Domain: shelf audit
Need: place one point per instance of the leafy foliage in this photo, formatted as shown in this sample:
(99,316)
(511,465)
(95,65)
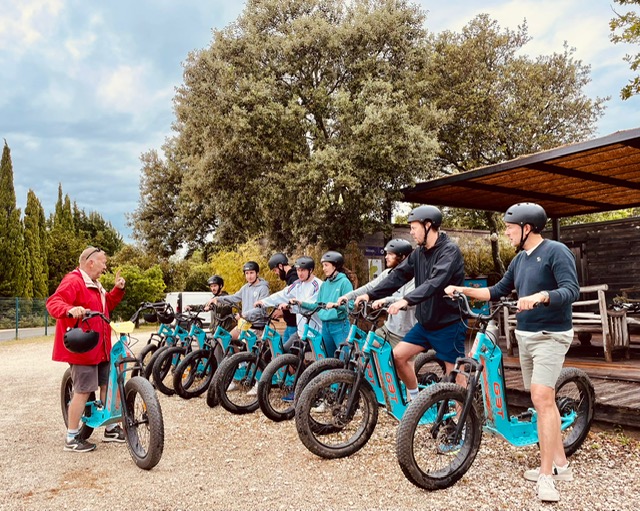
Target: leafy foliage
(503,104)
(229,263)
(36,242)
(12,262)
(478,258)
(155,222)
(625,28)
(96,230)
(64,246)
(300,122)
(142,286)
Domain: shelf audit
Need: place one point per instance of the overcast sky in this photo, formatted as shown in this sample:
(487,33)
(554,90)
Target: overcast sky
(87,86)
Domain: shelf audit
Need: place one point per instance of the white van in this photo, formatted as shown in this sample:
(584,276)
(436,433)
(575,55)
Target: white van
(179,300)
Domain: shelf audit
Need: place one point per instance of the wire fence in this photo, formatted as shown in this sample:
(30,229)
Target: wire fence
(24,315)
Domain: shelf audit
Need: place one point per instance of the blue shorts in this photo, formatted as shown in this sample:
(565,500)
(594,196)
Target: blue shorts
(448,342)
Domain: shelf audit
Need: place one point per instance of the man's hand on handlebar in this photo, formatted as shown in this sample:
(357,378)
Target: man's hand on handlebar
(76,312)
(530,302)
(449,290)
(378,304)
(396,307)
(361,298)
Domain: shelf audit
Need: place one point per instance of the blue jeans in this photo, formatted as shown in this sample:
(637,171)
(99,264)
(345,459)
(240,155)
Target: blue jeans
(333,333)
(288,332)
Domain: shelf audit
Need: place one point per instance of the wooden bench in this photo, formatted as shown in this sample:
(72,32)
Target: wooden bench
(612,325)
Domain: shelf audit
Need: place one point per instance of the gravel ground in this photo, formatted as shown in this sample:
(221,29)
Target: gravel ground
(216,460)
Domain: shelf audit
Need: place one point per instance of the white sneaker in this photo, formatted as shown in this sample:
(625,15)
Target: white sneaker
(233,386)
(253,391)
(558,473)
(321,408)
(546,489)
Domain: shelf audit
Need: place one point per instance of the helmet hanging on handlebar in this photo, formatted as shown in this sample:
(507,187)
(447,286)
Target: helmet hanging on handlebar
(76,340)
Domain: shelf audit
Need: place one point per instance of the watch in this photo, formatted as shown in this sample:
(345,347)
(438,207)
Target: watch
(546,295)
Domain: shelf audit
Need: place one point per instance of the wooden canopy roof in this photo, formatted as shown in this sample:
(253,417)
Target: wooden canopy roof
(590,177)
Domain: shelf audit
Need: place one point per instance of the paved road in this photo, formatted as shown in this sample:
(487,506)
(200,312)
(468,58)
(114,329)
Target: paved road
(25,333)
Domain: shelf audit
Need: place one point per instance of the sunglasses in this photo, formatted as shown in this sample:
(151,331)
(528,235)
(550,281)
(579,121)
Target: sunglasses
(94,251)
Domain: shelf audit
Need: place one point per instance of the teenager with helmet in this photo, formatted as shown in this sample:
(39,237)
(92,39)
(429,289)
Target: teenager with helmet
(436,263)
(304,289)
(79,291)
(398,325)
(255,289)
(543,272)
(279,264)
(216,285)
(335,322)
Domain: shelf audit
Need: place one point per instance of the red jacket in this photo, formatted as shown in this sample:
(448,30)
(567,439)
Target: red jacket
(77,289)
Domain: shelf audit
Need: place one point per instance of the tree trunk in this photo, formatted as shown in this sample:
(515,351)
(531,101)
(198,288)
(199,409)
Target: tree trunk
(498,265)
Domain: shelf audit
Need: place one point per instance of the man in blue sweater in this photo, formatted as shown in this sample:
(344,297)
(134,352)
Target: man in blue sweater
(543,272)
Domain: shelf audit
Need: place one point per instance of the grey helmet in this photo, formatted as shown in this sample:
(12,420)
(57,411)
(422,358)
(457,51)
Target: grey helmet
(251,266)
(399,247)
(306,263)
(334,258)
(276,259)
(525,213)
(424,214)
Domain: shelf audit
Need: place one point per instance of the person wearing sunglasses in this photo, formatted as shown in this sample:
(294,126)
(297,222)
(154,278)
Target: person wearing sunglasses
(80,290)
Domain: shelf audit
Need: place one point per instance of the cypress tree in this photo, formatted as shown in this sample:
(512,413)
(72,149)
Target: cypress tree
(12,264)
(35,247)
(64,244)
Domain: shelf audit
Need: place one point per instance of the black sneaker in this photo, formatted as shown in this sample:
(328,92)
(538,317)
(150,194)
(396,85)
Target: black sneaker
(79,445)
(115,435)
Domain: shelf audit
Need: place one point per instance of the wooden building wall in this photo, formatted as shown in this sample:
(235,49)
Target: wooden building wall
(606,253)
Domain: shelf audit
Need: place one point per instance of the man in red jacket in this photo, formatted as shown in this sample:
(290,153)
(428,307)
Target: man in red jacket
(79,291)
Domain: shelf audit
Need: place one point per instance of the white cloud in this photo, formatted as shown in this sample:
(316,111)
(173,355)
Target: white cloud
(131,90)
(80,47)
(24,23)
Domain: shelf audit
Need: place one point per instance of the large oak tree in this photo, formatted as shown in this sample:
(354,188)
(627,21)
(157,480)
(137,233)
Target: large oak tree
(301,121)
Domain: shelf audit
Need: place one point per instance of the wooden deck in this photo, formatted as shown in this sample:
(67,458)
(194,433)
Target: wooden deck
(617,384)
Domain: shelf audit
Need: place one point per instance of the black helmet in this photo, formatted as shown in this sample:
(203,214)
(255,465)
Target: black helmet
(527,213)
(216,279)
(76,340)
(306,263)
(251,266)
(276,259)
(399,247)
(333,257)
(150,317)
(426,214)
(166,314)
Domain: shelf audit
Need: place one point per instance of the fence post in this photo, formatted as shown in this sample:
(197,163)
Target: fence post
(17,315)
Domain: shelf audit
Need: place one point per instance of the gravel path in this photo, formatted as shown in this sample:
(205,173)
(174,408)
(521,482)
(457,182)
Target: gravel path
(215,460)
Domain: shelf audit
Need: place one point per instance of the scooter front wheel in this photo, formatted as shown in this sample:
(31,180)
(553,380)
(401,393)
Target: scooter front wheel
(428,451)
(143,423)
(350,415)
